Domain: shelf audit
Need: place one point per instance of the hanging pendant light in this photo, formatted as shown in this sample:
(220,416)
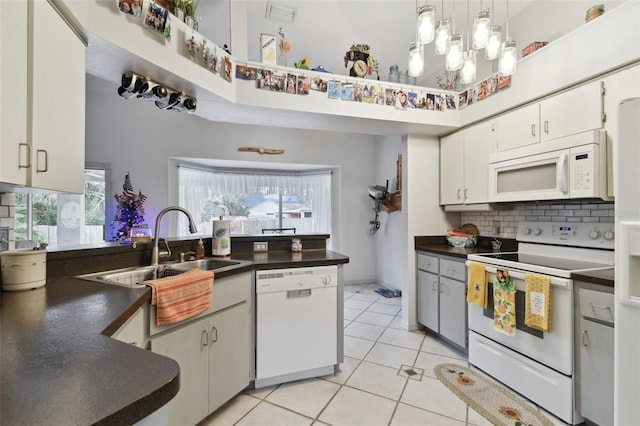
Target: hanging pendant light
(426,24)
(508,53)
(443,30)
(508,58)
(492,50)
(455,48)
(468,72)
(415,66)
(481,28)
(453,58)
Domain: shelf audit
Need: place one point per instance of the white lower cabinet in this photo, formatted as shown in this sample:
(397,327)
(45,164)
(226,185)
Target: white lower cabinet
(442,296)
(214,356)
(214,350)
(428,300)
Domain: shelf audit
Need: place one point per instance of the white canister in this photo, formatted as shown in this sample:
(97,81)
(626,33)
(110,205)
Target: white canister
(221,238)
(23,269)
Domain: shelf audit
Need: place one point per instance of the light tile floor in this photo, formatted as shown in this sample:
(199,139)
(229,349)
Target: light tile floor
(372,387)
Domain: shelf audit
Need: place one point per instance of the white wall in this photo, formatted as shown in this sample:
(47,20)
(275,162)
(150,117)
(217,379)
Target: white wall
(133,135)
(390,238)
(421,178)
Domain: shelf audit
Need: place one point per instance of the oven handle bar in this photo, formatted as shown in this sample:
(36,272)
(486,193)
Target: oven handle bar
(558,282)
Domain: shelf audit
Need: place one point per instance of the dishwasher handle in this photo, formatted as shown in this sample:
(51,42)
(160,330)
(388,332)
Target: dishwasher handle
(298,293)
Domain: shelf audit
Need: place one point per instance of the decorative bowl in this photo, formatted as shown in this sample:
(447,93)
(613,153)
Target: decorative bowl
(469,241)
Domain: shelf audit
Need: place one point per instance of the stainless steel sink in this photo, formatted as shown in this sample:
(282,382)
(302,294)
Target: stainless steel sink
(129,277)
(209,264)
(135,276)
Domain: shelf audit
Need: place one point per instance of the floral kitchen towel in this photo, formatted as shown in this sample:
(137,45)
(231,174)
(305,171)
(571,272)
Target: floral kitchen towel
(504,303)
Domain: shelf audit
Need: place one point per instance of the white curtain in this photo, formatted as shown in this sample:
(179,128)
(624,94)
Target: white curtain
(197,186)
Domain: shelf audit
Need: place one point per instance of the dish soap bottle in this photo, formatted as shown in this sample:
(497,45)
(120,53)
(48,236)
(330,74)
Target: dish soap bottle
(200,250)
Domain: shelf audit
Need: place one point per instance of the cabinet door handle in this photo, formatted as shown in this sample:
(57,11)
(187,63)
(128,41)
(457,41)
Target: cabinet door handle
(214,334)
(546,126)
(204,338)
(465,194)
(27,156)
(434,285)
(441,288)
(533,130)
(46,161)
(458,193)
(585,338)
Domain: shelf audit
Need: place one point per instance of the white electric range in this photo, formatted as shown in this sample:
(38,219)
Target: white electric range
(537,364)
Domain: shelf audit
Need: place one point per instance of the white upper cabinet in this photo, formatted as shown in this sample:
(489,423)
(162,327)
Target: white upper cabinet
(519,128)
(13,90)
(576,111)
(42,113)
(451,175)
(568,113)
(464,165)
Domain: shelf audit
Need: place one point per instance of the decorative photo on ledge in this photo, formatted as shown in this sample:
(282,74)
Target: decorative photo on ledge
(227,68)
(304,85)
(130,7)
(244,72)
(318,84)
(292,84)
(462,99)
(451,101)
(347,92)
(335,90)
(278,82)
(156,17)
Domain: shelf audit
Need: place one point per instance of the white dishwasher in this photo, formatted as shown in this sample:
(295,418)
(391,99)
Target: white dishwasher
(296,324)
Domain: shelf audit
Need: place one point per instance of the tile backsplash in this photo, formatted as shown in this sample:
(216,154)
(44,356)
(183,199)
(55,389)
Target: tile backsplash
(507,218)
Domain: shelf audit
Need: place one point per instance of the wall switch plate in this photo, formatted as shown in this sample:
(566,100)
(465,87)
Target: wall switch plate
(260,246)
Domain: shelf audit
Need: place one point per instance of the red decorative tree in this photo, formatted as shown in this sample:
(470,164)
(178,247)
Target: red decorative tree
(130,210)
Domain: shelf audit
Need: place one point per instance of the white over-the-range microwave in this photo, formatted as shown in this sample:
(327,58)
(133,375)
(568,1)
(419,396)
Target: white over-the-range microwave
(570,167)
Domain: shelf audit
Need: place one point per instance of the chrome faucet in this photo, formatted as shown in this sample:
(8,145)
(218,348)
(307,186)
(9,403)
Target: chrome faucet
(155,253)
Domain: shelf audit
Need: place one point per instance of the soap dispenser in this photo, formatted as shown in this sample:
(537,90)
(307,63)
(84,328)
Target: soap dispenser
(200,249)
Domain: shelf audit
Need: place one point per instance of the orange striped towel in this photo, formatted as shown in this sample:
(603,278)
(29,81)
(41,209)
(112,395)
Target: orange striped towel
(181,296)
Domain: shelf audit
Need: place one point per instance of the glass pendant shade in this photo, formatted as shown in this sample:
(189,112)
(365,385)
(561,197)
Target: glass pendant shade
(453,59)
(426,24)
(443,30)
(481,27)
(493,44)
(508,57)
(416,60)
(468,71)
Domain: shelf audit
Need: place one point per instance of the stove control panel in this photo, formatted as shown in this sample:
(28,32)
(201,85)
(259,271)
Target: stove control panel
(593,235)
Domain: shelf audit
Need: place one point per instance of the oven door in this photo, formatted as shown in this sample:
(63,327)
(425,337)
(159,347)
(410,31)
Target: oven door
(553,348)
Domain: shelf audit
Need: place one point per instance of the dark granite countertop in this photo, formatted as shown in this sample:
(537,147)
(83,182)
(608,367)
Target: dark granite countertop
(60,367)
(287,259)
(603,277)
(438,245)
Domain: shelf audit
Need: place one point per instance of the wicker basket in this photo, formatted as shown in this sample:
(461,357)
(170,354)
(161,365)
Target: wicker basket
(594,12)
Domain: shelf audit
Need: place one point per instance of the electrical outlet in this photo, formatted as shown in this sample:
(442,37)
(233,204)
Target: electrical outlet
(4,239)
(260,246)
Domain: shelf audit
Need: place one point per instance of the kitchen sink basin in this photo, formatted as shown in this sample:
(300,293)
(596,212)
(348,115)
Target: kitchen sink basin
(129,277)
(134,276)
(209,264)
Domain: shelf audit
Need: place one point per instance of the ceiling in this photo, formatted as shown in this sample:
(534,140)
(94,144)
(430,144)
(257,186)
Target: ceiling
(324,30)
